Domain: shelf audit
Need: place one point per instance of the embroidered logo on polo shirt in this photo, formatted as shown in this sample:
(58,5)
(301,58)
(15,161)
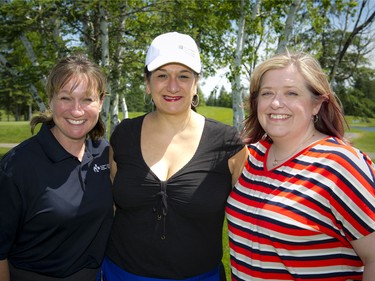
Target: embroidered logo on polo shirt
(97,168)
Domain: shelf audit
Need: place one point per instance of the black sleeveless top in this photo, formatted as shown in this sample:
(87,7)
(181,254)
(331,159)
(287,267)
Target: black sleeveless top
(171,229)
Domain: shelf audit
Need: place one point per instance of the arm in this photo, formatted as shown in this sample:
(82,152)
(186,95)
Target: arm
(112,164)
(365,248)
(4,270)
(237,162)
(113,170)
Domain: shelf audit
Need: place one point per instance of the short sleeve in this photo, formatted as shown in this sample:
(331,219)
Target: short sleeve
(233,141)
(10,205)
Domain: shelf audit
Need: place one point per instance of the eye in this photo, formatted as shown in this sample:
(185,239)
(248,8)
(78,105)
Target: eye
(292,93)
(185,77)
(64,98)
(160,75)
(265,93)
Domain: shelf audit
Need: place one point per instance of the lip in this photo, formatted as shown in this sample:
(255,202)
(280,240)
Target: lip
(279,116)
(75,122)
(172,99)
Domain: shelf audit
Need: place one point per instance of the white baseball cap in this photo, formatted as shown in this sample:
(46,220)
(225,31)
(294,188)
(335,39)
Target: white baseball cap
(173,47)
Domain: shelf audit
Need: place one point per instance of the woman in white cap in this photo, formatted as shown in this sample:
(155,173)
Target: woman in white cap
(173,170)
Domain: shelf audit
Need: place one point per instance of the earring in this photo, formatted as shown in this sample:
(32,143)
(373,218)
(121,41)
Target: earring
(150,101)
(195,101)
(315,118)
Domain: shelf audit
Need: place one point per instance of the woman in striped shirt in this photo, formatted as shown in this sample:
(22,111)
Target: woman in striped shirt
(304,206)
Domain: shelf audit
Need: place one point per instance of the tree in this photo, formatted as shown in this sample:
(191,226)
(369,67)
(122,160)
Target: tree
(224,99)
(286,34)
(235,35)
(347,37)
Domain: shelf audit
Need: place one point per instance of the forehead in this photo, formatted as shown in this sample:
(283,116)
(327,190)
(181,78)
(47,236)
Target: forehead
(174,67)
(80,83)
(282,76)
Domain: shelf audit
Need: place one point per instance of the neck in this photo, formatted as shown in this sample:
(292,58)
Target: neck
(279,158)
(74,147)
(172,123)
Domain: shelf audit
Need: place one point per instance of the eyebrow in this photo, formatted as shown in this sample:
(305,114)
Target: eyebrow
(287,87)
(179,71)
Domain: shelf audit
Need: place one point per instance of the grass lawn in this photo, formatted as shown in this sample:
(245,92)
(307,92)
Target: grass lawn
(15,132)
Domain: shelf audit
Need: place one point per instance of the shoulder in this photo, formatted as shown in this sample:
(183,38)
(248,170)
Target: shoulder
(341,156)
(221,128)
(223,135)
(128,128)
(258,149)
(338,148)
(20,155)
(130,122)
(98,146)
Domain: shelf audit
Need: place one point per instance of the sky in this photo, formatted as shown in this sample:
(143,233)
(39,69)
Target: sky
(208,84)
(219,80)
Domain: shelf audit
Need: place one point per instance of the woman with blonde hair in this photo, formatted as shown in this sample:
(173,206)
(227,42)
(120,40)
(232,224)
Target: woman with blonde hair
(55,191)
(303,208)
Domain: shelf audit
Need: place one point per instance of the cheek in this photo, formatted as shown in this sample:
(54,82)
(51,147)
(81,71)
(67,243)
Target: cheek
(262,105)
(93,109)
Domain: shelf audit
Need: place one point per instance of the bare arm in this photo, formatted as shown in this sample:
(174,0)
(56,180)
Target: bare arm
(4,270)
(112,164)
(113,170)
(237,162)
(365,248)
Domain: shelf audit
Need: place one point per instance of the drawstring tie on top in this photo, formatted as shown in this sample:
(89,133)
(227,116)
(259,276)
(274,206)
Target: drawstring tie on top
(161,208)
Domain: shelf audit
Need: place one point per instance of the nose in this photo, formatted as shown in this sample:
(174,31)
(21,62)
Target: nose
(277,101)
(77,109)
(173,86)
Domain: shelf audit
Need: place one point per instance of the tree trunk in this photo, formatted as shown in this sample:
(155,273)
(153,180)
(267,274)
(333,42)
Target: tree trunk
(33,90)
(237,104)
(105,64)
(287,34)
(116,81)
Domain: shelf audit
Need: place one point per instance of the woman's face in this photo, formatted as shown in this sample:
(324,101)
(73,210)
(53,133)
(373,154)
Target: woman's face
(75,111)
(285,105)
(172,88)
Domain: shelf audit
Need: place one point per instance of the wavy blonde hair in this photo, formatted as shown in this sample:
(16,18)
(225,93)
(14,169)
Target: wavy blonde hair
(330,118)
(74,67)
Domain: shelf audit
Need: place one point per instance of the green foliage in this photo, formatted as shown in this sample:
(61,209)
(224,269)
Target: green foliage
(55,28)
(355,103)
(224,99)
(364,81)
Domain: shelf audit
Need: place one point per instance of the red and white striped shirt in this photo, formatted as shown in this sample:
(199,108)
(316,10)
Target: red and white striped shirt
(295,222)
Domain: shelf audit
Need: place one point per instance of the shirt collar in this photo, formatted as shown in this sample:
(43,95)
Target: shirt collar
(54,149)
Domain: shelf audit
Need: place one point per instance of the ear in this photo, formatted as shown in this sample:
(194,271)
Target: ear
(317,108)
(50,104)
(148,91)
(101,102)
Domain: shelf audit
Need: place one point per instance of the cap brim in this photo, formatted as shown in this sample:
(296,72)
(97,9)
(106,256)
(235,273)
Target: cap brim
(160,61)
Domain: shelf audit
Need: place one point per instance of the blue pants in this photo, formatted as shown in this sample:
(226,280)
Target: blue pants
(112,272)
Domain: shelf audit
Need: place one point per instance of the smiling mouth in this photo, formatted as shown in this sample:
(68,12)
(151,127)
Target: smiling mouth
(279,116)
(169,98)
(76,122)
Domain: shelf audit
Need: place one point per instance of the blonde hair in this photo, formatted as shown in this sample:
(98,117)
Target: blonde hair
(74,67)
(330,118)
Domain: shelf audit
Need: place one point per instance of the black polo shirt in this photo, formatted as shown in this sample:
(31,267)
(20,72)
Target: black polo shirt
(55,211)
